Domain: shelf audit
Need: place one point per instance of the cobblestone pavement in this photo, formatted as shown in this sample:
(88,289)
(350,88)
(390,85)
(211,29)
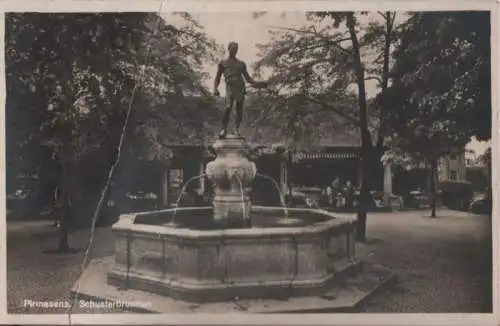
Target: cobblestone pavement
(441,263)
(33,273)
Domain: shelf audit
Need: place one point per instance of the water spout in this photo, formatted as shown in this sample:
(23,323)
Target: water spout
(183,189)
(246,216)
(282,198)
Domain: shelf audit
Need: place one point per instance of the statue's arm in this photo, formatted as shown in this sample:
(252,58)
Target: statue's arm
(218,76)
(249,79)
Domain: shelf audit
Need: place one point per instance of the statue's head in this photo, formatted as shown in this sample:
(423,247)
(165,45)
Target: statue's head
(232,48)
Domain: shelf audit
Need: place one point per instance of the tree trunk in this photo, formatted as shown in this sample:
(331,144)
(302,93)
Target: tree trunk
(377,169)
(64,184)
(65,211)
(288,181)
(364,199)
(433,185)
(63,245)
(165,191)
(385,76)
(366,141)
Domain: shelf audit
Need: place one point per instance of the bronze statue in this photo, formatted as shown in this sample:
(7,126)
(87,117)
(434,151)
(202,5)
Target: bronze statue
(235,73)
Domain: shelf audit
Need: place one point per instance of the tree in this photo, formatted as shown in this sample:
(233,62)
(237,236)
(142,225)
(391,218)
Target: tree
(71,79)
(485,160)
(444,59)
(62,80)
(441,83)
(173,96)
(313,71)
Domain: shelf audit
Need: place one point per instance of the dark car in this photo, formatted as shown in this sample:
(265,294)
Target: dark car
(481,205)
(28,201)
(456,194)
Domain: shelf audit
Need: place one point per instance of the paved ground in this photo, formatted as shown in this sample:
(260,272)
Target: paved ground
(33,273)
(442,263)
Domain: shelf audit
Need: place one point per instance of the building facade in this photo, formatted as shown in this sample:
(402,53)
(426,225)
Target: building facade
(453,167)
(399,180)
(280,170)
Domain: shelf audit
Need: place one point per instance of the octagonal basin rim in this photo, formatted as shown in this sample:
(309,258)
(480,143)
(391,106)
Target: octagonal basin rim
(126,224)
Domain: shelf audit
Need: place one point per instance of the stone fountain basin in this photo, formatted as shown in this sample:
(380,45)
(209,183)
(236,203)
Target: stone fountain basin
(301,255)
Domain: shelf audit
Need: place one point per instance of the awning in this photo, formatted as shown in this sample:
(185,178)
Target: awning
(299,156)
(323,156)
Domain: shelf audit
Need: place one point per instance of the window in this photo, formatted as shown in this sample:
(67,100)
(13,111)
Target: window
(453,175)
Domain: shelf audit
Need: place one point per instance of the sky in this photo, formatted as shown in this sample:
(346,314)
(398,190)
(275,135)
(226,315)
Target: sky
(248,31)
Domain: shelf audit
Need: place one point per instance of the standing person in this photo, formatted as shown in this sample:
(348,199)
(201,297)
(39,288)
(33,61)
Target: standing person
(329,196)
(339,200)
(349,195)
(198,197)
(336,185)
(336,189)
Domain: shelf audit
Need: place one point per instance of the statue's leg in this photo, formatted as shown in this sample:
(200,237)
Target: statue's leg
(239,115)
(225,118)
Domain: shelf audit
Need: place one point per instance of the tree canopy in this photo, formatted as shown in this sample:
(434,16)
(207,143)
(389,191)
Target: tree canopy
(319,76)
(441,87)
(77,72)
(313,75)
(72,78)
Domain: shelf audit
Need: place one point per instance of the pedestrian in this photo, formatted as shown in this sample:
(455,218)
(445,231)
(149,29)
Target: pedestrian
(336,188)
(349,196)
(336,185)
(329,196)
(339,200)
(198,195)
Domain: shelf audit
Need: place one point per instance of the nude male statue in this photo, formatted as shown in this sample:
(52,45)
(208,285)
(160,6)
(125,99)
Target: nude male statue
(235,73)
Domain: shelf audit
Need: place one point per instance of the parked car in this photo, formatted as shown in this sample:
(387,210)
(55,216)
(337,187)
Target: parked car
(378,198)
(456,194)
(27,202)
(394,202)
(137,201)
(481,205)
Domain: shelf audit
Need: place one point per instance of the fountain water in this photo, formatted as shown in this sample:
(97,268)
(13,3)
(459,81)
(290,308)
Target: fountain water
(183,189)
(277,187)
(246,218)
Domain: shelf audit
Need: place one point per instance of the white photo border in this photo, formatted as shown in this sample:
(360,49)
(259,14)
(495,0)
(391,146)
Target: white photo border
(259,6)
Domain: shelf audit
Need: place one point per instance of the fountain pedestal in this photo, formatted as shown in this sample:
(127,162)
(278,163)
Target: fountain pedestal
(232,173)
